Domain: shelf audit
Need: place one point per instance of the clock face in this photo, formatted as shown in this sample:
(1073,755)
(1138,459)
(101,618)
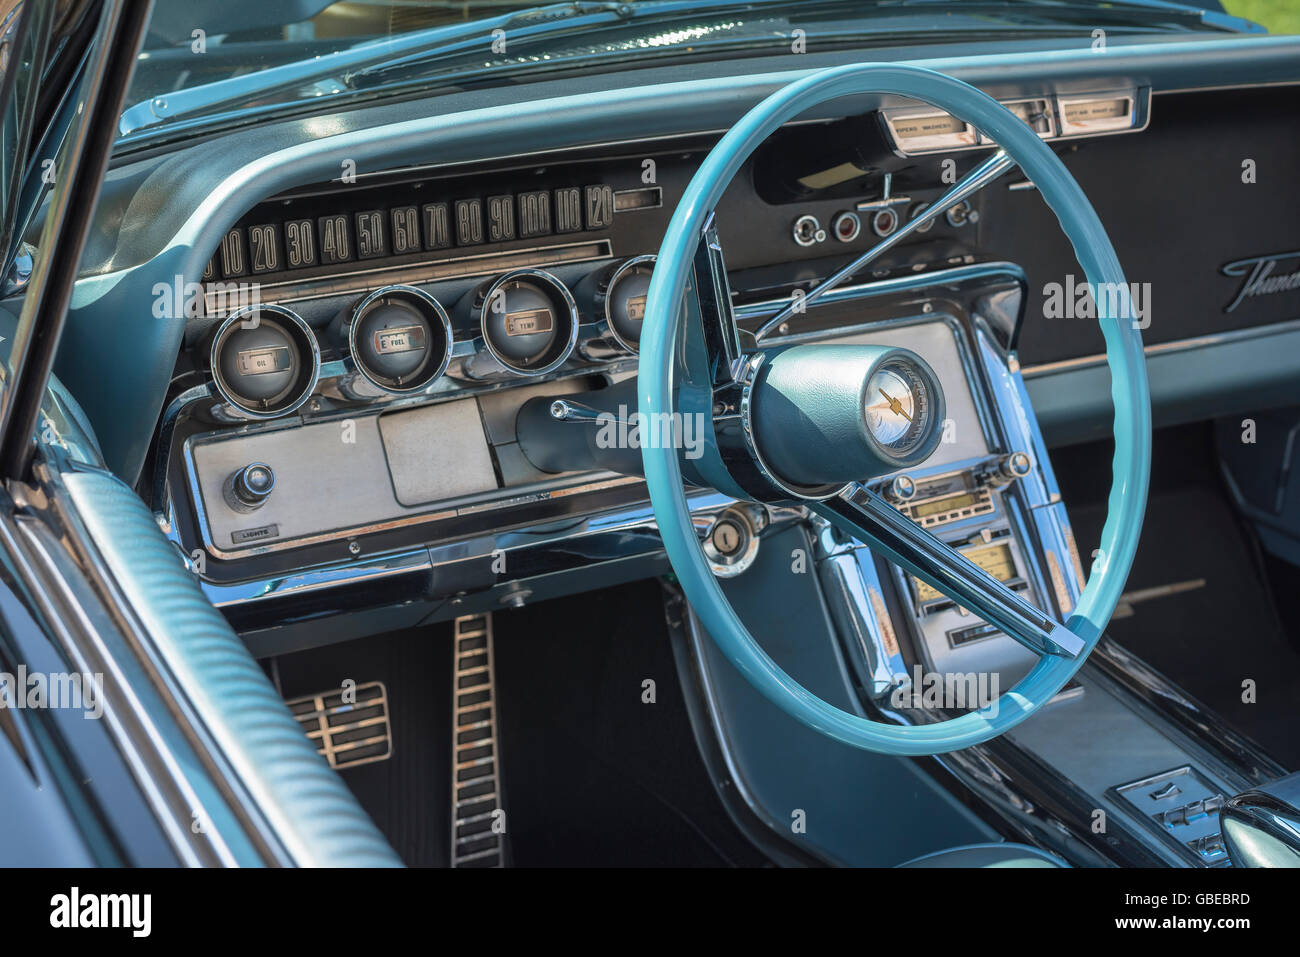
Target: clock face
(891,406)
(897,407)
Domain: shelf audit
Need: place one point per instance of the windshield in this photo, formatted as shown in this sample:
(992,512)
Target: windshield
(211,61)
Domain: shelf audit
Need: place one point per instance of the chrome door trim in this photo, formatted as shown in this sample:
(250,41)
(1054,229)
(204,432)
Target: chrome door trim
(1162,348)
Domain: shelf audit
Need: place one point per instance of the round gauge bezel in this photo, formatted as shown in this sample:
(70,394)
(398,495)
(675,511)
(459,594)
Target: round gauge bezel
(296,327)
(439,319)
(924,388)
(568,313)
(608,287)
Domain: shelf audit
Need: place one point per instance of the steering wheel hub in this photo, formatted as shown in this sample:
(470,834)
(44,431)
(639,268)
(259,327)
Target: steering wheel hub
(827,415)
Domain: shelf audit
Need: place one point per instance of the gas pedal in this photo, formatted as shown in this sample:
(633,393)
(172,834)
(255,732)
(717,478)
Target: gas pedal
(348,733)
(475,757)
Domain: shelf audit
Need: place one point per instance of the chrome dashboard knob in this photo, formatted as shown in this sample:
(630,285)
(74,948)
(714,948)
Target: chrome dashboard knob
(250,486)
(1015,465)
(900,489)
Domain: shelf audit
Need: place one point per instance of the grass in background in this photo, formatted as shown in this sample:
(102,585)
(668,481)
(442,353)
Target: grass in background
(1278,16)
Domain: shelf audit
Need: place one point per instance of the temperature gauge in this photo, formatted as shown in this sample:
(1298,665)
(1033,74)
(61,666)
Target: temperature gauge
(528,320)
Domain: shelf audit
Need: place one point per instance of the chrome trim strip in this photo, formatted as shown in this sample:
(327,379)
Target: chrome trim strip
(616,522)
(1120,667)
(1161,348)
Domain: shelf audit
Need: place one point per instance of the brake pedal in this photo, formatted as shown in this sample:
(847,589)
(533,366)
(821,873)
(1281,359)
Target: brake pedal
(477,834)
(348,726)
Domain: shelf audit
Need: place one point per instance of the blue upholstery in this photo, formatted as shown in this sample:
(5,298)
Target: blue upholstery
(310,808)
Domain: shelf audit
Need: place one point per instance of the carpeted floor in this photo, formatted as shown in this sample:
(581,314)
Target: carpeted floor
(593,774)
(408,795)
(590,774)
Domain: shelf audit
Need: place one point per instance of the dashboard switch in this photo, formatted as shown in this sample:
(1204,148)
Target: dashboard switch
(250,486)
(884,222)
(961,214)
(846,227)
(808,231)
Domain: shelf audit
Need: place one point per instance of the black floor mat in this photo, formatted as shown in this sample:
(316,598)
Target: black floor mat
(591,774)
(1214,638)
(409,794)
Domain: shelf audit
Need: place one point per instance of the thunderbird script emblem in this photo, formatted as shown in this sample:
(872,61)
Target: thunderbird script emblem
(1264,276)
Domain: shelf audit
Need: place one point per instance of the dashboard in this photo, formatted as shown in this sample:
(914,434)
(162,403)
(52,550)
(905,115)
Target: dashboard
(375,315)
(369,300)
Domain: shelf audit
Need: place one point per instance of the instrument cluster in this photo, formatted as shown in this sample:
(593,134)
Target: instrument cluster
(400,340)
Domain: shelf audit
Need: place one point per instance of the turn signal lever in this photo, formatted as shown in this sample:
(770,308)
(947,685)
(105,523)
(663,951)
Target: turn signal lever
(602,431)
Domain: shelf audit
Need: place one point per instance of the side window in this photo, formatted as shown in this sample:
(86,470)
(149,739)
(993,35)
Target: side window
(24,35)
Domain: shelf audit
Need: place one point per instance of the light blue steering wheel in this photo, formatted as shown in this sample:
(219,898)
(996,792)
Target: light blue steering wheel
(661,375)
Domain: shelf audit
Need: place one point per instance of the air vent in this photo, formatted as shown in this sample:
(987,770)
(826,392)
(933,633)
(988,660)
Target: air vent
(347,732)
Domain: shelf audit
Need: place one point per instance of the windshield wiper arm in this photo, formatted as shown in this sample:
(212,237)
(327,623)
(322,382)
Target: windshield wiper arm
(448,39)
(624,13)
(373,63)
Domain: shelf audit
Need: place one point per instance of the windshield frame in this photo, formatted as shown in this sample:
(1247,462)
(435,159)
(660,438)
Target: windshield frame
(451,56)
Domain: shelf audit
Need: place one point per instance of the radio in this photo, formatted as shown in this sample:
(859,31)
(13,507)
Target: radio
(962,507)
(943,499)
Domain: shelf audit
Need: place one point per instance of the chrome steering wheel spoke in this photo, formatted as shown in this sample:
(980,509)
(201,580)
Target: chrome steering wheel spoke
(867,517)
(717,317)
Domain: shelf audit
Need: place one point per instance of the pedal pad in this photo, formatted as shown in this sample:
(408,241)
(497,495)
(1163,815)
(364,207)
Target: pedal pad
(347,732)
(475,762)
